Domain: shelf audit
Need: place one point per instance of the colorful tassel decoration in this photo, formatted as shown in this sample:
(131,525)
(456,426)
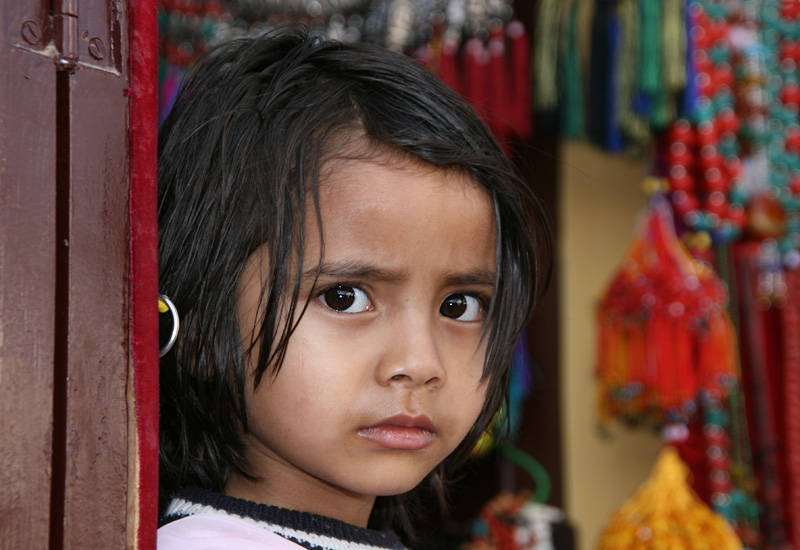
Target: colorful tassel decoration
(499,84)
(664,334)
(790,318)
(520,57)
(601,56)
(572,108)
(650,27)
(506,422)
(665,513)
(546,55)
(635,127)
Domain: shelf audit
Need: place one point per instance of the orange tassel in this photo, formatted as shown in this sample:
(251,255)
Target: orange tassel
(664,335)
(685,363)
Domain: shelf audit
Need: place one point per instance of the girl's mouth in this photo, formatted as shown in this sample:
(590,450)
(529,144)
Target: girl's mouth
(401,432)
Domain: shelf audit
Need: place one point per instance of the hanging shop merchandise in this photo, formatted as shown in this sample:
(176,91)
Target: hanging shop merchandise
(713,84)
(475,46)
(665,513)
(517,521)
(664,333)
(667,357)
(711,88)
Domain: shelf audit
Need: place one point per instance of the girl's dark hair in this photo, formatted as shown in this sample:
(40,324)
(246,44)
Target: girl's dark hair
(239,157)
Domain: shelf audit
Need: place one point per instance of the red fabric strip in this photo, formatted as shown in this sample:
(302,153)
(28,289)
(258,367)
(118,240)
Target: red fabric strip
(143,41)
(791,389)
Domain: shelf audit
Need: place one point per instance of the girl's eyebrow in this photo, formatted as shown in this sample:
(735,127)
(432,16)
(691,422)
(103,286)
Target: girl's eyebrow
(475,277)
(349,270)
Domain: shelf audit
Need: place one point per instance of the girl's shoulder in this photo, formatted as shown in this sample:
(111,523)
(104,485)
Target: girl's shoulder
(221,521)
(209,531)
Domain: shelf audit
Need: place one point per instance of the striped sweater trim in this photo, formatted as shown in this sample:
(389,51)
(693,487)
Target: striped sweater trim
(311,531)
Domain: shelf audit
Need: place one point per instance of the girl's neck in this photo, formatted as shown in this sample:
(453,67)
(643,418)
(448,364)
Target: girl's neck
(320,498)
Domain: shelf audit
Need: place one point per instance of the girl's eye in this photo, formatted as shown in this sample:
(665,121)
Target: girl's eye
(345,299)
(461,307)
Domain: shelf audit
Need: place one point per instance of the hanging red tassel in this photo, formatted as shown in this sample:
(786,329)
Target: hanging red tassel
(684,360)
(449,72)
(500,106)
(476,74)
(760,395)
(665,391)
(430,53)
(664,333)
(519,45)
(791,391)
(636,360)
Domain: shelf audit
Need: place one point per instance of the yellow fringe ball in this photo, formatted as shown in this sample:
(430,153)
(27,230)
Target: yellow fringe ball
(665,513)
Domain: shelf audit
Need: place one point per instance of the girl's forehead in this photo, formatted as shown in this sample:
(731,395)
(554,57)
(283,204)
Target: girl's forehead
(362,159)
(415,212)
(352,145)
(400,182)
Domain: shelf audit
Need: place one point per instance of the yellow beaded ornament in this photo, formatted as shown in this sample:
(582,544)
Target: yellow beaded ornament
(665,513)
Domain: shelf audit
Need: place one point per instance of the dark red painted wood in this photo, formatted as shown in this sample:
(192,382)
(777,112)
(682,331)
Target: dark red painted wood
(64,249)
(97,464)
(27,273)
(143,47)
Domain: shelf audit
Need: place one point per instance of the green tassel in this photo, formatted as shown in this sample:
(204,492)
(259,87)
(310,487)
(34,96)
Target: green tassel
(545,58)
(663,111)
(650,46)
(674,44)
(635,127)
(572,109)
(673,55)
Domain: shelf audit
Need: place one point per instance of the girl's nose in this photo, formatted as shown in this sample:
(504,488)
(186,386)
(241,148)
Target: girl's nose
(412,357)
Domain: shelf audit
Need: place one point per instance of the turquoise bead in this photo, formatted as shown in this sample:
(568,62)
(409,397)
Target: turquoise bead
(729,146)
(789,242)
(722,100)
(737,195)
(778,180)
(702,222)
(703,111)
(793,224)
(720,54)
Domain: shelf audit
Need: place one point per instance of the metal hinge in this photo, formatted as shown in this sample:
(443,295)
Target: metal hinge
(92,37)
(65,33)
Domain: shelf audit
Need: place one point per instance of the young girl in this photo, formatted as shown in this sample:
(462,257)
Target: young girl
(352,257)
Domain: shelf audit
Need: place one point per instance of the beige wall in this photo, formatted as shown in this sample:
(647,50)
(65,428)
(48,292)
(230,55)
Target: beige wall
(600,196)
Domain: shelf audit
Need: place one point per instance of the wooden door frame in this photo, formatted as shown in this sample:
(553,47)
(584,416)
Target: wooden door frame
(77,270)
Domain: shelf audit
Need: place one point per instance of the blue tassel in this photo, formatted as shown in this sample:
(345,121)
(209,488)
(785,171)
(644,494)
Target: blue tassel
(691,93)
(614,137)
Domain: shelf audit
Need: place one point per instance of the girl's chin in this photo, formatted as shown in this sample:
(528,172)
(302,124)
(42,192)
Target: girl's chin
(395,487)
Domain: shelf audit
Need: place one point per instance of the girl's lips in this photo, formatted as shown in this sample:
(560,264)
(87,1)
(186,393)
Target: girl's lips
(401,432)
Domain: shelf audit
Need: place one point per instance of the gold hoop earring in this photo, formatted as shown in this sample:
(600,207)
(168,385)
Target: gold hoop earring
(165,305)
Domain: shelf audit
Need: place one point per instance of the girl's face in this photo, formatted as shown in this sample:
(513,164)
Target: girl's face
(382,377)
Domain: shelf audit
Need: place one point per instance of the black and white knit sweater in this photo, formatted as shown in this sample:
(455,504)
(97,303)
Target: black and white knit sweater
(308,530)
